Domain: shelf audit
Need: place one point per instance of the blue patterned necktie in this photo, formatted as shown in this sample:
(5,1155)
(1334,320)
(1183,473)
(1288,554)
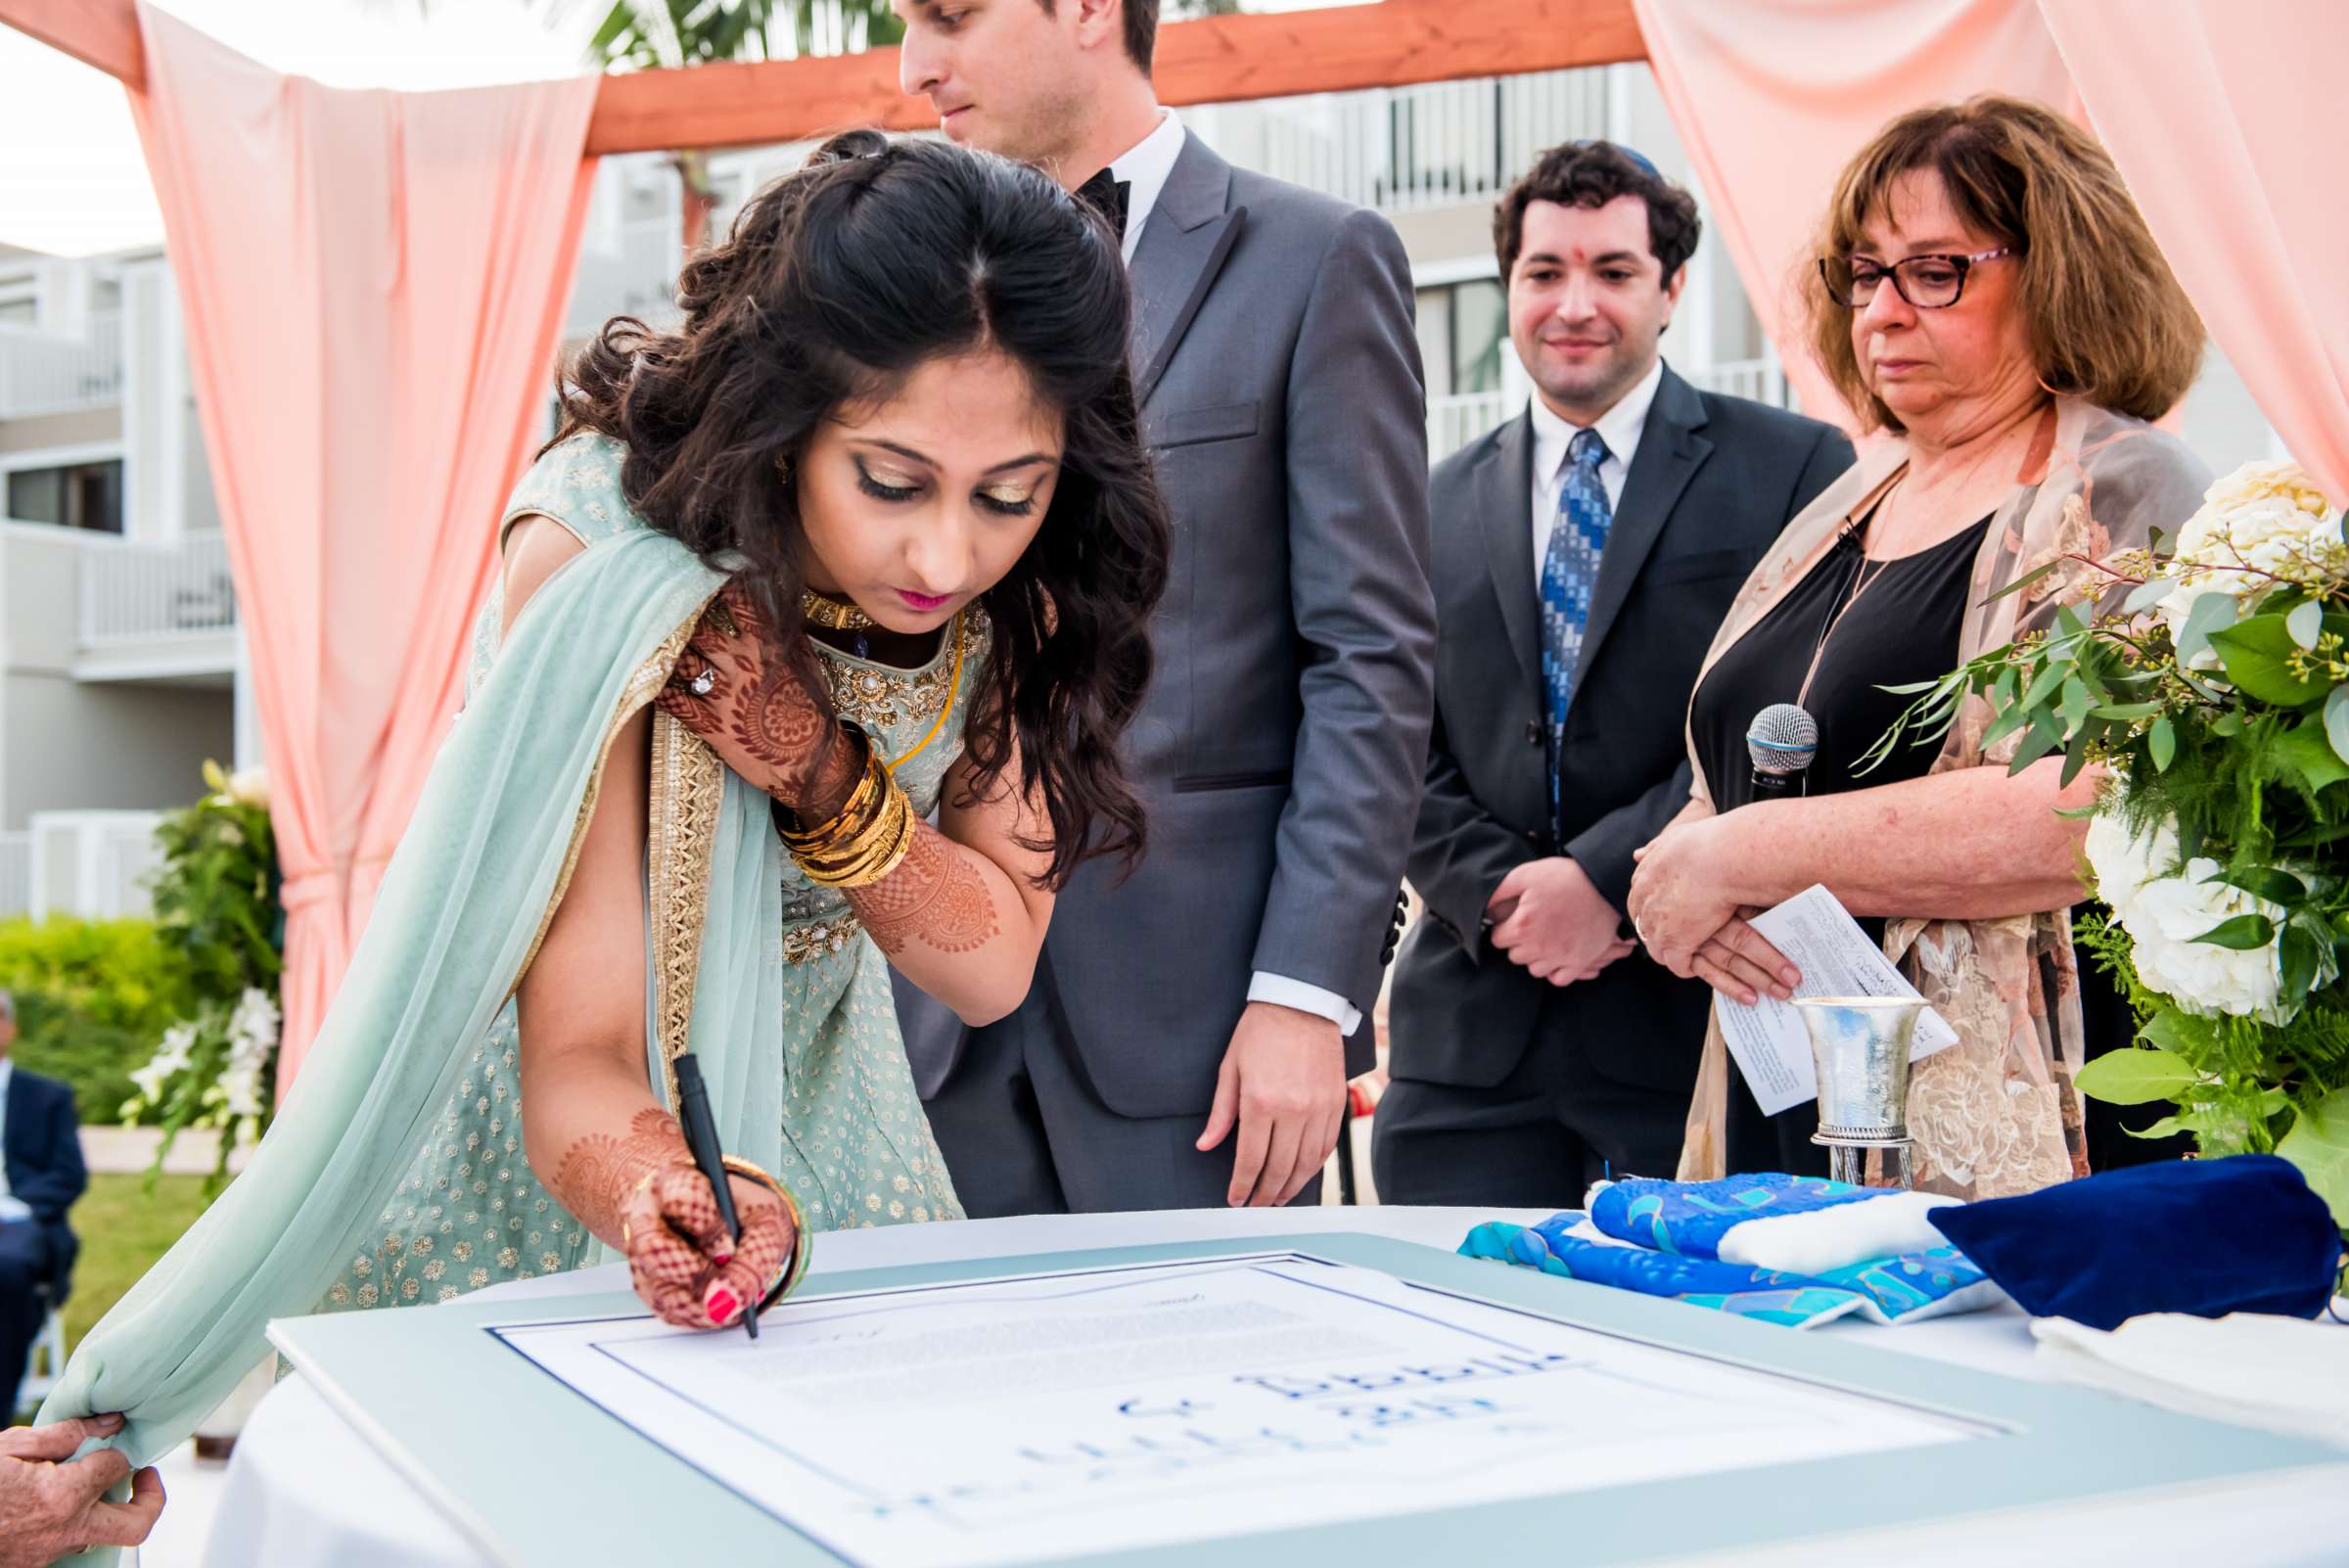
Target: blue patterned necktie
(1568,571)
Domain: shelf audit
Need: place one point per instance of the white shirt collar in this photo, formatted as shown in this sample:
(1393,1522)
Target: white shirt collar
(1619,426)
(8,1066)
(1145,168)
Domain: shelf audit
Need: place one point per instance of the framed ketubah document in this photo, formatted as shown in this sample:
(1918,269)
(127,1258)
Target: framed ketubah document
(1348,1398)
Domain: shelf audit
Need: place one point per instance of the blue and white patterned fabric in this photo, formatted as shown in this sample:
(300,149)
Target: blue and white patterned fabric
(1667,1238)
(1569,574)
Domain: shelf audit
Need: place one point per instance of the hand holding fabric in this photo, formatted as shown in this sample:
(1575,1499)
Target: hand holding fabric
(736,690)
(1553,923)
(53,1504)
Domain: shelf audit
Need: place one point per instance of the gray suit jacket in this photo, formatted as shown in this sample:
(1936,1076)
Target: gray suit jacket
(1281,747)
(1713,482)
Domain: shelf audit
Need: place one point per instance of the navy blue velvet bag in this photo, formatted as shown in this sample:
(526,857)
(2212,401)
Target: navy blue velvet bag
(2208,1237)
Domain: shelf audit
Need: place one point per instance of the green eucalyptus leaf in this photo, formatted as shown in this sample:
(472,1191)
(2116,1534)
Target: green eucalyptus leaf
(2257,655)
(2148,594)
(2127,713)
(2074,758)
(2305,621)
(2210,612)
(2161,741)
(2227,724)
(2318,1145)
(2045,684)
(2023,581)
(2309,751)
(2043,738)
(2139,1076)
(2245,933)
(2075,704)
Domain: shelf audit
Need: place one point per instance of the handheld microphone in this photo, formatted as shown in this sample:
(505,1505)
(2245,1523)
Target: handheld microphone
(1782,740)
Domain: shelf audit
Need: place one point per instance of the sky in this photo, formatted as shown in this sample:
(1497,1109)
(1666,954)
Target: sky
(72,178)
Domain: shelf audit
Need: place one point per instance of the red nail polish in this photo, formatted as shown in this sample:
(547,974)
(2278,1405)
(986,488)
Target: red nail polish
(720,1302)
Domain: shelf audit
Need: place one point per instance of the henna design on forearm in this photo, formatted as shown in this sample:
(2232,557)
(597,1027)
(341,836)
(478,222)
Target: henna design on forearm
(598,1171)
(933,894)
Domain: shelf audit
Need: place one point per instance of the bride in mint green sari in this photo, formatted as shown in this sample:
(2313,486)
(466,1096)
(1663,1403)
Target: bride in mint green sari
(818,627)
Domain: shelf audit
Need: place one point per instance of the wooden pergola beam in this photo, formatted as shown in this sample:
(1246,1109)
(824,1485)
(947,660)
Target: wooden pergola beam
(1210,60)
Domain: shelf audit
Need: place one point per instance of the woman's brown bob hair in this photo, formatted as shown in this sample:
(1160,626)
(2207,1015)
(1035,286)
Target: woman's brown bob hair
(2104,315)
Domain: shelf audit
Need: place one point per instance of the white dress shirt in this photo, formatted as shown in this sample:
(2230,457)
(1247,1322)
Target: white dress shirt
(10,1206)
(1619,426)
(1146,168)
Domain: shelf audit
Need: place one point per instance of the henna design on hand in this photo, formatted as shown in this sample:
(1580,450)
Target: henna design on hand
(681,1260)
(934,894)
(759,714)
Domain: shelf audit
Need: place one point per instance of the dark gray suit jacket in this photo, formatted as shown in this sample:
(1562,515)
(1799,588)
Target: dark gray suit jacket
(1282,743)
(1713,482)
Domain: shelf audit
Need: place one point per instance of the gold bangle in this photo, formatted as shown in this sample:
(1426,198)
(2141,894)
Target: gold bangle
(873,853)
(862,799)
(802,1245)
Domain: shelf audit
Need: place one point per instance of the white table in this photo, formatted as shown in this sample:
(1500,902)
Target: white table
(305,1489)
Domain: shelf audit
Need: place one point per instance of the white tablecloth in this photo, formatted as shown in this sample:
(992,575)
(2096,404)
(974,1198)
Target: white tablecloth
(306,1491)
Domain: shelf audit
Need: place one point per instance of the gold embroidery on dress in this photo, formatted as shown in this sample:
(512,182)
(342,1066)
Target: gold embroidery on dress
(644,682)
(688,790)
(804,943)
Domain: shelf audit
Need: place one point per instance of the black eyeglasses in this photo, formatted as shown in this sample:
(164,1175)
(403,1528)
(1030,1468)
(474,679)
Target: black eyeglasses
(1928,282)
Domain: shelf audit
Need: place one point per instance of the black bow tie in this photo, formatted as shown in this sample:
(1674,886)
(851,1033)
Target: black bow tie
(1106,194)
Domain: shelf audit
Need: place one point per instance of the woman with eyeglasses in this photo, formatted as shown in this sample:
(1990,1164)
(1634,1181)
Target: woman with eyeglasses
(1989,301)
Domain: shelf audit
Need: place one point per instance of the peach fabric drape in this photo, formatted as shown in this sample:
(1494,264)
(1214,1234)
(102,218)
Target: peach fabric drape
(1773,97)
(373,285)
(2224,119)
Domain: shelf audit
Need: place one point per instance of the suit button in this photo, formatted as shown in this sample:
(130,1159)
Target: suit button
(1533,731)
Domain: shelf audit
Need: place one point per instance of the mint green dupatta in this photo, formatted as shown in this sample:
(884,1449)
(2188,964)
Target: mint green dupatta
(413,1074)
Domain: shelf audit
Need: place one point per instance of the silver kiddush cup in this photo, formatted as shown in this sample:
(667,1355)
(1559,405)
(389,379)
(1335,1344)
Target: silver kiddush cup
(1860,1045)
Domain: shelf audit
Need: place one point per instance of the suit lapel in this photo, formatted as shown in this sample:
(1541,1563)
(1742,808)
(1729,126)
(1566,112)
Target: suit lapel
(1672,449)
(1502,497)
(1185,240)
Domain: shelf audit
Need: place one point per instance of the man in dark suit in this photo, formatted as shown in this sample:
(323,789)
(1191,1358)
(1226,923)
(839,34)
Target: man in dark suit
(40,1175)
(1189,1035)
(1585,555)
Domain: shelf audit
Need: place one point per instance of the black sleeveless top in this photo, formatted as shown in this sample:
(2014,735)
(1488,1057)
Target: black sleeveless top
(1902,628)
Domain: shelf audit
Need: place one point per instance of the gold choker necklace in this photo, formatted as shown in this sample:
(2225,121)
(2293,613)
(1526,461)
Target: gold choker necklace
(832,614)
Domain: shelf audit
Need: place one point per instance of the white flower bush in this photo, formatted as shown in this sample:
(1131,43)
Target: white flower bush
(2166,905)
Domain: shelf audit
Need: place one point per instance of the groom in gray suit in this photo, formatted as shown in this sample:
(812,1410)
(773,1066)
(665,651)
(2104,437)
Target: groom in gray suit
(1189,1035)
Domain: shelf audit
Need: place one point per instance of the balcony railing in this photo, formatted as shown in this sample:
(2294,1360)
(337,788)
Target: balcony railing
(138,593)
(51,373)
(1762,380)
(1396,149)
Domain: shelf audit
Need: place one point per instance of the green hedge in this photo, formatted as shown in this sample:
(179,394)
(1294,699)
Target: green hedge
(93,999)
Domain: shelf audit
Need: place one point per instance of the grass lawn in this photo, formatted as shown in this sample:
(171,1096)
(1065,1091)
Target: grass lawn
(123,1230)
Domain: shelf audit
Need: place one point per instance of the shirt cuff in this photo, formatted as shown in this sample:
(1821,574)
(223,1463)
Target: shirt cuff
(1286,992)
(14,1207)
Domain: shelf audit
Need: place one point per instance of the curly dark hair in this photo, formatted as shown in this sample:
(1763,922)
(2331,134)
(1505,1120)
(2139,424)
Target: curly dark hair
(837,283)
(1592,174)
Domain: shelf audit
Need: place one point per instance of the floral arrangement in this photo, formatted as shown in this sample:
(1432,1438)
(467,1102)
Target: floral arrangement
(216,901)
(2217,697)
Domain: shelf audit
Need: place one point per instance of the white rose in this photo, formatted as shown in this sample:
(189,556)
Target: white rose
(2262,520)
(250,786)
(2164,921)
(2123,863)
